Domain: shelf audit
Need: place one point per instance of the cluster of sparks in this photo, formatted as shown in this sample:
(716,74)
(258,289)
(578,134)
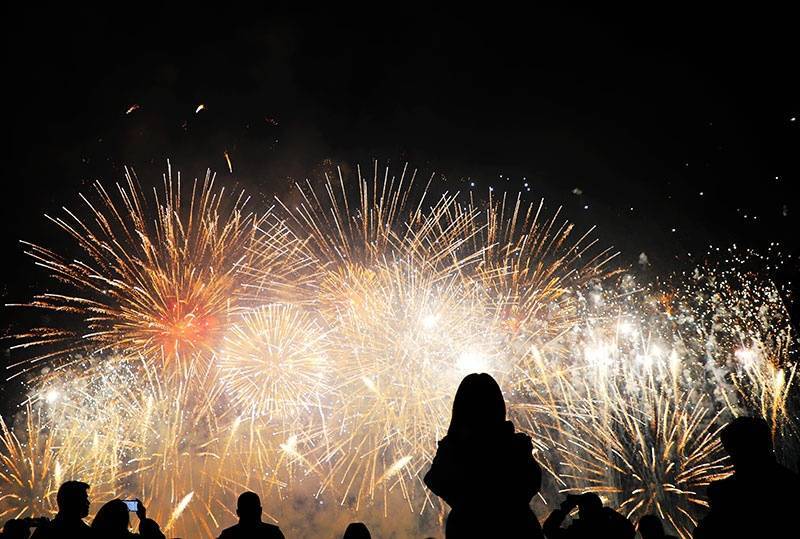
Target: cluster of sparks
(196,349)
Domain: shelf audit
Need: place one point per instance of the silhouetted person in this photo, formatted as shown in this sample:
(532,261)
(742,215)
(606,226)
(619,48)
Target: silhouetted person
(483,469)
(20,528)
(594,520)
(761,498)
(651,527)
(356,530)
(718,522)
(15,529)
(248,509)
(73,506)
(113,519)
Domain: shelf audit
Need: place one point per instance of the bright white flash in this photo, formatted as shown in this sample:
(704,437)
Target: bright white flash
(471,361)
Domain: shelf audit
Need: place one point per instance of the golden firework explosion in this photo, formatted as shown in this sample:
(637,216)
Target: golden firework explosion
(315,350)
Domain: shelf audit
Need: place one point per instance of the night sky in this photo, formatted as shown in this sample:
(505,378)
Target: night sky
(670,130)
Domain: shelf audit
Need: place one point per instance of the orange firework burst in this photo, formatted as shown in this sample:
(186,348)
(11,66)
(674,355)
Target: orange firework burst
(158,281)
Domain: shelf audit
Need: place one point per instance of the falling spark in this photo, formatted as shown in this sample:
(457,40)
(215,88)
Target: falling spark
(228,161)
(178,511)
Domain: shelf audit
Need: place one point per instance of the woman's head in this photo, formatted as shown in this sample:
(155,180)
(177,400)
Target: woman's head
(356,530)
(113,517)
(478,404)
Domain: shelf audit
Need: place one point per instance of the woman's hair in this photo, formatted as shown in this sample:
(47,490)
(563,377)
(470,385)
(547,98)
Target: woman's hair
(112,517)
(356,530)
(478,405)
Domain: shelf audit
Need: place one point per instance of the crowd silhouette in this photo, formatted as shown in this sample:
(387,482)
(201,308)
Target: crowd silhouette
(486,473)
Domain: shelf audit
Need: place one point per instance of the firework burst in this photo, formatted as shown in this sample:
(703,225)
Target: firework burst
(160,281)
(274,362)
(416,295)
(317,349)
(29,471)
(655,456)
(530,267)
(35,461)
(739,324)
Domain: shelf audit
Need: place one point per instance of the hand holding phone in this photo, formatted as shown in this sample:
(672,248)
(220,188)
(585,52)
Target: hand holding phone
(570,503)
(141,512)
(136,506)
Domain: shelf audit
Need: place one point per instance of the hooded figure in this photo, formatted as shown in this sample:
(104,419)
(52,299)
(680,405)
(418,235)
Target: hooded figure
(483,469)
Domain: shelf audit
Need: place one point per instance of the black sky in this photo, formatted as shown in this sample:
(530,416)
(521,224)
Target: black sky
(641,111)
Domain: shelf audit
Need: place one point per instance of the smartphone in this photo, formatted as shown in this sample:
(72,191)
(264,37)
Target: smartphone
(133,505)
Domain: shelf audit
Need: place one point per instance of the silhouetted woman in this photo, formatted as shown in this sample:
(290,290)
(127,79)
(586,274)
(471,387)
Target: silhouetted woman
(112,521)
(483,469)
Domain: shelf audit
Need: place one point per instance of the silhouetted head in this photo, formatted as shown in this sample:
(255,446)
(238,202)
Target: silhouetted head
(112,519)
(356,530)
(248,507)
(73,499)
(747,440)
(590,506)
(15,529)
(478,405)
(650,527)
